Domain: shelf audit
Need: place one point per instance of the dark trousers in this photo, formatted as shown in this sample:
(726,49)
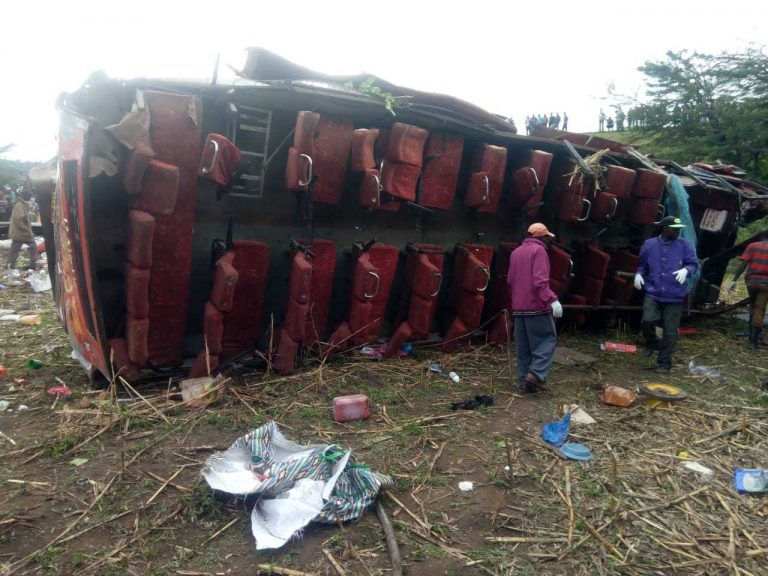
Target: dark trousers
(535,342)
(668,314)
(758,300)
(31,254)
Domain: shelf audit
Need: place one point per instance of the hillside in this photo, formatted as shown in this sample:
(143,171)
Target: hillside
(14,172)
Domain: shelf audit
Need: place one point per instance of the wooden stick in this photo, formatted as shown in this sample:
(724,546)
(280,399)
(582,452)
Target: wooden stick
(165,484)
(523,539)
(124,382)
(24,561)
(280,571)
(391,539)
(332,560)
(569,501)
(161,479)
(222,530)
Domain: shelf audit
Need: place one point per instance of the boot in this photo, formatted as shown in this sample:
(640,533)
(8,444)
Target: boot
(754,334)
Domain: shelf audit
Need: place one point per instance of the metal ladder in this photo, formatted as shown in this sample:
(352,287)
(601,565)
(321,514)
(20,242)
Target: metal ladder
(248,128)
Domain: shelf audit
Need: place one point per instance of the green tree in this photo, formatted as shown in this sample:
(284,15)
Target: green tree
(703,106)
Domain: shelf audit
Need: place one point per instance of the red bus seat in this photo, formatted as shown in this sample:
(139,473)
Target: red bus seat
(440,175)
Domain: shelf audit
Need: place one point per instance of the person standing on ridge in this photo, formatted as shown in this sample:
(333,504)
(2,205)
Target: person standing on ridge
(565,121)
(754,260)
(666,263)
(533,305)
(601,127)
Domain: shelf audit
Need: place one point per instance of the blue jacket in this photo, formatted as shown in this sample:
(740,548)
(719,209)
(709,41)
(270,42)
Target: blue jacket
(659,260)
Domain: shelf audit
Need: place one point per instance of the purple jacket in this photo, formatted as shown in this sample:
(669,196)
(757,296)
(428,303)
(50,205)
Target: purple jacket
(528,278)
(659,260)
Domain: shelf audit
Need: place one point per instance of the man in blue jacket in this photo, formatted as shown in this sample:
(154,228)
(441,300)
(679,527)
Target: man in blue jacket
(666,263)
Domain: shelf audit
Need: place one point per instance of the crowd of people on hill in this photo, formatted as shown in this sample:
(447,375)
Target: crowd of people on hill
(551,120)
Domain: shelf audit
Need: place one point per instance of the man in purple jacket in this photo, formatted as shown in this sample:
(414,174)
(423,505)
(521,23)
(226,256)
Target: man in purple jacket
(533,305)
(666,263)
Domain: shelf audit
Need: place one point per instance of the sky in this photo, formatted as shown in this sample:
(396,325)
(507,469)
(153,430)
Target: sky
(511,58)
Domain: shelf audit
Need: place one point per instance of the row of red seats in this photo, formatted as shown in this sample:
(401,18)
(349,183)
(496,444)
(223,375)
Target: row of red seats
(160,177)
(402,164)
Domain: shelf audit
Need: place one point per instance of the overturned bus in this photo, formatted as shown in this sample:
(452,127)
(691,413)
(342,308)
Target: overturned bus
(198,225)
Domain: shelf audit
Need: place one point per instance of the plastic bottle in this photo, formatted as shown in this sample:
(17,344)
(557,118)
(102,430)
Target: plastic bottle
(455,377)
(702,370)
(34,363)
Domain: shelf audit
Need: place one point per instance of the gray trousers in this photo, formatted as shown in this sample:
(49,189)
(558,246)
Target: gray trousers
(535,342)
(31,254)
(669,314)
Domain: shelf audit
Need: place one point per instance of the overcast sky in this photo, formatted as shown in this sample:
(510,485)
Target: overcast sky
(511,58)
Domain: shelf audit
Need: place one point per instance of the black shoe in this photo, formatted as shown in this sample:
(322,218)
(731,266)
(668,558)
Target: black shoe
(754,336)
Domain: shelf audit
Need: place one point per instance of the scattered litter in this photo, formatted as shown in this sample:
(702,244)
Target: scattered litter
(3,370)
(575,451)
(35,363)
(4,405)
(30,319)
(476,402)
(618,347)
(78,461)
(3,286)
(299,484)
(10,318)
(22,407)
(556,432)
(696,467)
(352,407)
(60,391)
(199,393)
(661,395)
(750,480)
(40,281)
(466,486)
(380,350)
(687,330)
(455,377)
(578,415)
(702,370)
(618,396)
(436,368)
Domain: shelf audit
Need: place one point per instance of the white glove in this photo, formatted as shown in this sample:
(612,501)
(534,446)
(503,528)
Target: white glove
(681,275)
(731,286)
(639,282)
(557,309)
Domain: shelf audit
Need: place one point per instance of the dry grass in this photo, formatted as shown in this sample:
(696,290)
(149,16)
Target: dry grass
(137,506)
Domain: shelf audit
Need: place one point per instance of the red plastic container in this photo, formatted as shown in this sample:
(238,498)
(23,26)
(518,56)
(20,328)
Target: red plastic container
(618,347)
(353,407)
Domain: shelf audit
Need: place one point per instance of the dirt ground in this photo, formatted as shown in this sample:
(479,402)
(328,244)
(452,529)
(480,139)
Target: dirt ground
(107,482)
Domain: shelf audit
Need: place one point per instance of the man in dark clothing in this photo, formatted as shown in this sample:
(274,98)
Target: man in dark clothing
(755,261)
(533,305)
(666,263)
(565,121)
(21,233)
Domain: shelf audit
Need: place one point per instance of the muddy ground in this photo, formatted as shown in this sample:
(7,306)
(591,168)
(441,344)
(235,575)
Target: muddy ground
(105,482)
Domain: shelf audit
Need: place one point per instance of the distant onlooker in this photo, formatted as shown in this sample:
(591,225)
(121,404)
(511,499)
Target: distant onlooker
(602,120)
(620,116)
(609,124)
(21,233)
(557,121)
(565,121)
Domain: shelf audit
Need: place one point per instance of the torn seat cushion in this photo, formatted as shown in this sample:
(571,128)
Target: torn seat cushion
(159,189)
